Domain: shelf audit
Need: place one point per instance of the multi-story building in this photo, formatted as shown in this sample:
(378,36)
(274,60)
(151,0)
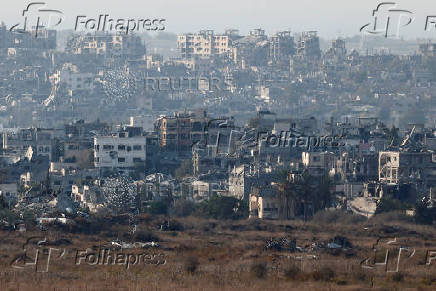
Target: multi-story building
(397,167)
(318,163)
(264,203)
(99,44)
(204,44)
(427,49)
(43,142)
(179,132)
(308,45)
(240,182)
(281,46)
(75,80)
(123,149)
(44,39)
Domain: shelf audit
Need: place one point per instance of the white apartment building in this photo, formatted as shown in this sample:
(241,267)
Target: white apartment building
(203,44)
(119,150)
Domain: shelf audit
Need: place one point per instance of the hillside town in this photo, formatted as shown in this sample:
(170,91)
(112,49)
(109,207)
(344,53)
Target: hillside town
(269,127)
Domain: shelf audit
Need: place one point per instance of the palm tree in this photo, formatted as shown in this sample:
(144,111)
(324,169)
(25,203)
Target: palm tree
(305,191)
(323,195)
(287,197)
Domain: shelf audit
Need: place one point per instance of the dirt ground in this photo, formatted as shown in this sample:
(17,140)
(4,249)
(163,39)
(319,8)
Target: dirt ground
(227,255)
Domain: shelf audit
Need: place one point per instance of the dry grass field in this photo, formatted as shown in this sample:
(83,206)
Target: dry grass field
(224,255)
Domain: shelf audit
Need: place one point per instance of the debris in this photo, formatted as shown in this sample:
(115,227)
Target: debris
(146,245)
(281,244)
(340,242)
(333,245)
(123,245)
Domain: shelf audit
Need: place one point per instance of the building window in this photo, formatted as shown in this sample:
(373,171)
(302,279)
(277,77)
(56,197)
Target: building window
(121,147)
(121,160)
(137,147)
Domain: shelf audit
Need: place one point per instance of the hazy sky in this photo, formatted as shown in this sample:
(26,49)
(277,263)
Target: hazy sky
(331,18)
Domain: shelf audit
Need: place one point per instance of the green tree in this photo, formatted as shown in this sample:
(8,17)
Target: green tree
(183,208)
(392,135)
(387,204)
(158,207)
(222,207)
(287,196)
(323,195)
(424,214)
(305,192)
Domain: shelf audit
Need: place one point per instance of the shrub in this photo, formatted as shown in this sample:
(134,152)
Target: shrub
(398,277)
(146,236)
(259,270)
(324,274)
(291,272)
(191,264)
(360,275)
(221,207)
(158,207)
(337,216)
(390,204)
(183,208)
(424,214)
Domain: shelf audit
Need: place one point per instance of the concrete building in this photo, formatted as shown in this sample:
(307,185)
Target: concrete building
(179,132)
(318,163)
(308,45)
(42,141)
(397,167)
(203,44)
(100,44)
(427,49)
(281,47)
(240,181)
(123,149)
(264,203)
(75,80)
